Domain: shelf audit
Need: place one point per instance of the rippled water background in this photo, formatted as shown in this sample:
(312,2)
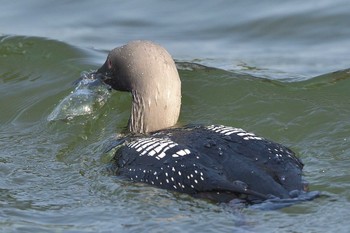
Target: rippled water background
(281,72)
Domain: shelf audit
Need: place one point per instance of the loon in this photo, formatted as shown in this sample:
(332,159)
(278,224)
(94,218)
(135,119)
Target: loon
(216,162)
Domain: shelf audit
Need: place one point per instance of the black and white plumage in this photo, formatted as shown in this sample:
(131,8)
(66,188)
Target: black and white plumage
(215,162)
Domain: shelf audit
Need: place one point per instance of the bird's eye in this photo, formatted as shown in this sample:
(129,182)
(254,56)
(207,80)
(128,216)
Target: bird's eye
(109,63)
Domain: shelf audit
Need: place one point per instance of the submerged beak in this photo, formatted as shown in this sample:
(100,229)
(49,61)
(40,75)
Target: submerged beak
(104,77)
(98,77)
(103,73)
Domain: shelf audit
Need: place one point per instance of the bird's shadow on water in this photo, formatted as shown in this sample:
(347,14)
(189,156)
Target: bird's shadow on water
(278,203)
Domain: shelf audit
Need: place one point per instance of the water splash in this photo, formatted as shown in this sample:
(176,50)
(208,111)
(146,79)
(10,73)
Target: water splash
(89,94)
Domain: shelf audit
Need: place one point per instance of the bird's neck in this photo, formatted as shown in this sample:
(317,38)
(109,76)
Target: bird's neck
(156,109)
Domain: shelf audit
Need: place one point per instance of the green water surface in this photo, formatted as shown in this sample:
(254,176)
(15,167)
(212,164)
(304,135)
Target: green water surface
(54,175)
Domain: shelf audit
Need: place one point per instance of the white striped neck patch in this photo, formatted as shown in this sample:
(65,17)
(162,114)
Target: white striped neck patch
(156,147)
(226,130)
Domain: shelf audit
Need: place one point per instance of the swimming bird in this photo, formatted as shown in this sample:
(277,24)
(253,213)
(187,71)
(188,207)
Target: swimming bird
(216,162)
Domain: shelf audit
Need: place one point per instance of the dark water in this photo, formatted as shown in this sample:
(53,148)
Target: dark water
(283,74)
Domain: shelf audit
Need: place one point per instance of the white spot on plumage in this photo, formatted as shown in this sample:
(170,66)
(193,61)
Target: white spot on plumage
(181,152)
(151,153)
(229,133)
(139,149)
(195,181)
(161,155)
(167,181)
(179,173)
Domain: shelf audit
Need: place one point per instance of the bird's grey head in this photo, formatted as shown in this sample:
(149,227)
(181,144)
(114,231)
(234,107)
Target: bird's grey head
(147,71)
